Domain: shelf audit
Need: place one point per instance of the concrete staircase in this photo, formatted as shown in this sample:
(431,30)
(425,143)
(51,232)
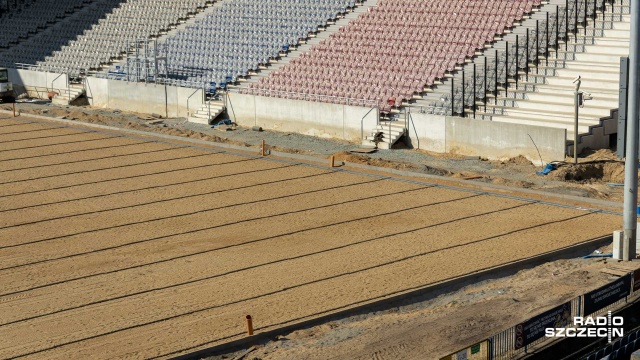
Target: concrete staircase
(389,133)
(304,46)
(67,96)
(545,96)
(208,112)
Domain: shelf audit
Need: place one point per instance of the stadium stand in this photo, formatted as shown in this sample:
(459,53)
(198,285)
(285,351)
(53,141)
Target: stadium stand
(7,6)
(396,49)
(40,45)
(618,350)
(133,21)
(585,39)
(209,51)
(32,17)
(402,55)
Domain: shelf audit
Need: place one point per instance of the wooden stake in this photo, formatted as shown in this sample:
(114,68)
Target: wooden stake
(249,325)
(262,147)
(14,109)
(333,161)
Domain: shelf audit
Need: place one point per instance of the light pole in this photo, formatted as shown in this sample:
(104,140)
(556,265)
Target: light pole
(631,161)
(577,95)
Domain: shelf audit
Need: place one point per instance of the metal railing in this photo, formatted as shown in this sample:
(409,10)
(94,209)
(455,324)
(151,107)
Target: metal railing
(365,116)
(509,67)
(503,346)
(189,99)
(312,97)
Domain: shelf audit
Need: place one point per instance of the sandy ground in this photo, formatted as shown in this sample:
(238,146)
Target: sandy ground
(126,247)
(429,329)
(596,176)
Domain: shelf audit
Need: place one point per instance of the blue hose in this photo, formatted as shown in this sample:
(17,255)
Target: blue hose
(597,256)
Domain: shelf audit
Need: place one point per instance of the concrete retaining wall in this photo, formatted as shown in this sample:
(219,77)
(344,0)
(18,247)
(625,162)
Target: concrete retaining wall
(496,141)
(36,83)
(428,132)
(305,117)
(500,141)
(167,101)
(493,140)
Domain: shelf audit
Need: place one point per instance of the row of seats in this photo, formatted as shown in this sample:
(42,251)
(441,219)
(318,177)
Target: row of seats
(33,17)
(210,51)
(39,46)
(7,6)
(118,32)
(405,45)
(620,349)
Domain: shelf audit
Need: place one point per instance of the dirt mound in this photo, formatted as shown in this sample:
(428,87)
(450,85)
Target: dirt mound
(600,155)
(597,171)
(518,161)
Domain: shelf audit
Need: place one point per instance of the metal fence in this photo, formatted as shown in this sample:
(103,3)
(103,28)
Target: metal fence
(312,97)
(479,351)
(507,344)
(493,79)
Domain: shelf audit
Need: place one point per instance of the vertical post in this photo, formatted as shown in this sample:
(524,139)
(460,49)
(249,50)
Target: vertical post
(136,62)
(527,50)
(517,60)
(631,161)
(495,84)
(576,102)
(249,325)
(537,44)
(546,44)
(473,106)
(453,96)
(262,148)
(566,25)
(575,23)
(463,92)
(14,109)
(155,60)
(486,85)
(623,106)
(585,17)
(558,28)
(506,71)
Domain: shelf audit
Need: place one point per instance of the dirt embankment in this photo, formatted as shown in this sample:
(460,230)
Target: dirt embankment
(609,171)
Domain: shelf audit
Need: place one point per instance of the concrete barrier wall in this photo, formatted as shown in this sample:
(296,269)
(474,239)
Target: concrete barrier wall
(464,136)
(435,133)
(499,141)
(167,101)
(36,83)
(493,140)
(97,92)
(305,117)
(428,132)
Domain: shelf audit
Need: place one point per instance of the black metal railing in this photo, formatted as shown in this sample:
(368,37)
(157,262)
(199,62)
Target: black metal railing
(534,49)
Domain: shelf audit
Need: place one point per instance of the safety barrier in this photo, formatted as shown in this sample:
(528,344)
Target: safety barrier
(516,340)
